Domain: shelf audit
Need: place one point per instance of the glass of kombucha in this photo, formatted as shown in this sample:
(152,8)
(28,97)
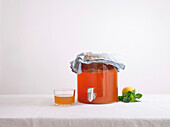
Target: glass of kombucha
(64,96)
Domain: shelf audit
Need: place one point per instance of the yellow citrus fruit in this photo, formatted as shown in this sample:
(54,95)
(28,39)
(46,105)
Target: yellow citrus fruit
(126,89)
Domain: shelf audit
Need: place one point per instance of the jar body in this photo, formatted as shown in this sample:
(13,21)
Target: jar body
(102,79)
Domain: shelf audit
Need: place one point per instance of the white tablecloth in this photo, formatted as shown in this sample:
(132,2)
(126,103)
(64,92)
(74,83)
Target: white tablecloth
(40,111)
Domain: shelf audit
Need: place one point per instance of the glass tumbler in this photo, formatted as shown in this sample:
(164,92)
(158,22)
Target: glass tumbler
(64,96)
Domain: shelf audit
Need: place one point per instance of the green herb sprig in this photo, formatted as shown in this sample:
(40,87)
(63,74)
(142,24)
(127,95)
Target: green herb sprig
(130,97)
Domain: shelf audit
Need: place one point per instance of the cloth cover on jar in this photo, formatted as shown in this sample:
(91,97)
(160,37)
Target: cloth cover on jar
(89,57)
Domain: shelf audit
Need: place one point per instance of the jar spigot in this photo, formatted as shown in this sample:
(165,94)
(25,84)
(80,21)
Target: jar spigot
(90,94)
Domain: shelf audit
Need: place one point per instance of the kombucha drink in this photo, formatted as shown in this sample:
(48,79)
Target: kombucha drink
(101,77)
(64,99)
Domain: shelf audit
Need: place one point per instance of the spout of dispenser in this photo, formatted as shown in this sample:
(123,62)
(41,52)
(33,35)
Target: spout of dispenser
(90,94)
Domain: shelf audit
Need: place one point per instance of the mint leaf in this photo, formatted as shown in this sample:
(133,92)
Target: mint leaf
(120,98)
(128,93)
(137,101)
(138,95)
(132,97)
(134,91)
(126,100)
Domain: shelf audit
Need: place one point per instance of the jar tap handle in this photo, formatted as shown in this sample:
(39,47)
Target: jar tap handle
(90,94)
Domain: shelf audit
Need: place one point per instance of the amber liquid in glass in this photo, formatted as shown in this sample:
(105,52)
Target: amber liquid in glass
(101,77)
(64,99)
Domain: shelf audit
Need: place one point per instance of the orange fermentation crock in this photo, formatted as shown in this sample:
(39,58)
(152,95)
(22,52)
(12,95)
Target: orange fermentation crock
(97,84)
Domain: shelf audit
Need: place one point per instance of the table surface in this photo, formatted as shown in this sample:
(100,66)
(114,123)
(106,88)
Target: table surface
(40,111)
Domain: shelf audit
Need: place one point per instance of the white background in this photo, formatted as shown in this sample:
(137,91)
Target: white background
(38,39)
